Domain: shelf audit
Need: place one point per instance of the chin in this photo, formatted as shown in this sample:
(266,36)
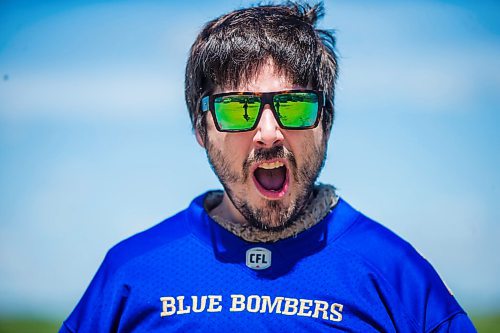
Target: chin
(269,214)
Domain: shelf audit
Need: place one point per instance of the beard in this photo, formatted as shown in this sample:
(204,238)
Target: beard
(268,214)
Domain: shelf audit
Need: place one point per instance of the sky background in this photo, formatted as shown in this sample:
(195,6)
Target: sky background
(96,144)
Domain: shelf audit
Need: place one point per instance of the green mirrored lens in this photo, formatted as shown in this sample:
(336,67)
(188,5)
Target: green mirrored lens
(236,112)
(296,110)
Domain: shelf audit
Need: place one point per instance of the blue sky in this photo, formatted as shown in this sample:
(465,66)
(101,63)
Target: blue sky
(95,142)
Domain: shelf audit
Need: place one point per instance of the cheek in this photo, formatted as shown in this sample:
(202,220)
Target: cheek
(217,139)
(302,143)
(236,145)
(318,135)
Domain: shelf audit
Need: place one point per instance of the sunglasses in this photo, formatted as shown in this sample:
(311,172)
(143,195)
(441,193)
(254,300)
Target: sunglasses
(241,111)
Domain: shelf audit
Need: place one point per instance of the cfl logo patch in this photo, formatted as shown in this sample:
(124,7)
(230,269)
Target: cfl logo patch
(258,258)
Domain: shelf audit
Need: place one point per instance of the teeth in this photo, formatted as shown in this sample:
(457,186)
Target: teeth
(272,165)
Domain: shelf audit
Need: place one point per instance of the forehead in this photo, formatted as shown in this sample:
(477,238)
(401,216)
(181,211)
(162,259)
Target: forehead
(266,78)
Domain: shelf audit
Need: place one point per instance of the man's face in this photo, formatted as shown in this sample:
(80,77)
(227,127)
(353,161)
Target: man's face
(267,173)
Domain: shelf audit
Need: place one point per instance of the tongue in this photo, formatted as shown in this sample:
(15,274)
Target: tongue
(272,179)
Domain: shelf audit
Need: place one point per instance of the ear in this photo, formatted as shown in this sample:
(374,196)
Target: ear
(199,139)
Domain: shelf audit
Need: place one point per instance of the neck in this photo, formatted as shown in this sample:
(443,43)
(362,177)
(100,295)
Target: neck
(226,210)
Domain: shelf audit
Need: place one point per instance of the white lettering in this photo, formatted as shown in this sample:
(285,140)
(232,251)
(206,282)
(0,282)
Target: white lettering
(182,309)
(238,303)
(195,303)
(305,304)
(276,304)
(290,307)
(321,306)
(336,310)
(214,303)
(253,303)
(168,306)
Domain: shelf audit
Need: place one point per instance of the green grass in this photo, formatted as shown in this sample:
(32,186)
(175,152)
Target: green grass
(487,324)
(484,324)
(26,325)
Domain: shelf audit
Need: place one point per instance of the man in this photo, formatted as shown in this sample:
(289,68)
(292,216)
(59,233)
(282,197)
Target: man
(273,251)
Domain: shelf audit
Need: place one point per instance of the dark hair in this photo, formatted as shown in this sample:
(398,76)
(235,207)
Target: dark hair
(233,47)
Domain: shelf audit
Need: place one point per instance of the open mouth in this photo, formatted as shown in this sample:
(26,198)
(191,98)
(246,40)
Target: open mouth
(271,179)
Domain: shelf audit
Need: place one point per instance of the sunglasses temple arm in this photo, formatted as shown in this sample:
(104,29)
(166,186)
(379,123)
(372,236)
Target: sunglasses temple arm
(205,105)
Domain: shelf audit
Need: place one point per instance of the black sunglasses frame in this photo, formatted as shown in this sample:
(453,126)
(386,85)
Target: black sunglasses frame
(208,104)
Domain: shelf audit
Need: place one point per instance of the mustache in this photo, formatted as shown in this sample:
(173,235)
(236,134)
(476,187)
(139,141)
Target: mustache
(268,154)
(265,154)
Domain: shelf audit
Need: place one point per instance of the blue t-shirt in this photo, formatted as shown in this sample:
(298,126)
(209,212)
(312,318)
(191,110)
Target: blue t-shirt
(188,274)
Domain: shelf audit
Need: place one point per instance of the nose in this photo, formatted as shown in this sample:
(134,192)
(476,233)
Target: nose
(269,132)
